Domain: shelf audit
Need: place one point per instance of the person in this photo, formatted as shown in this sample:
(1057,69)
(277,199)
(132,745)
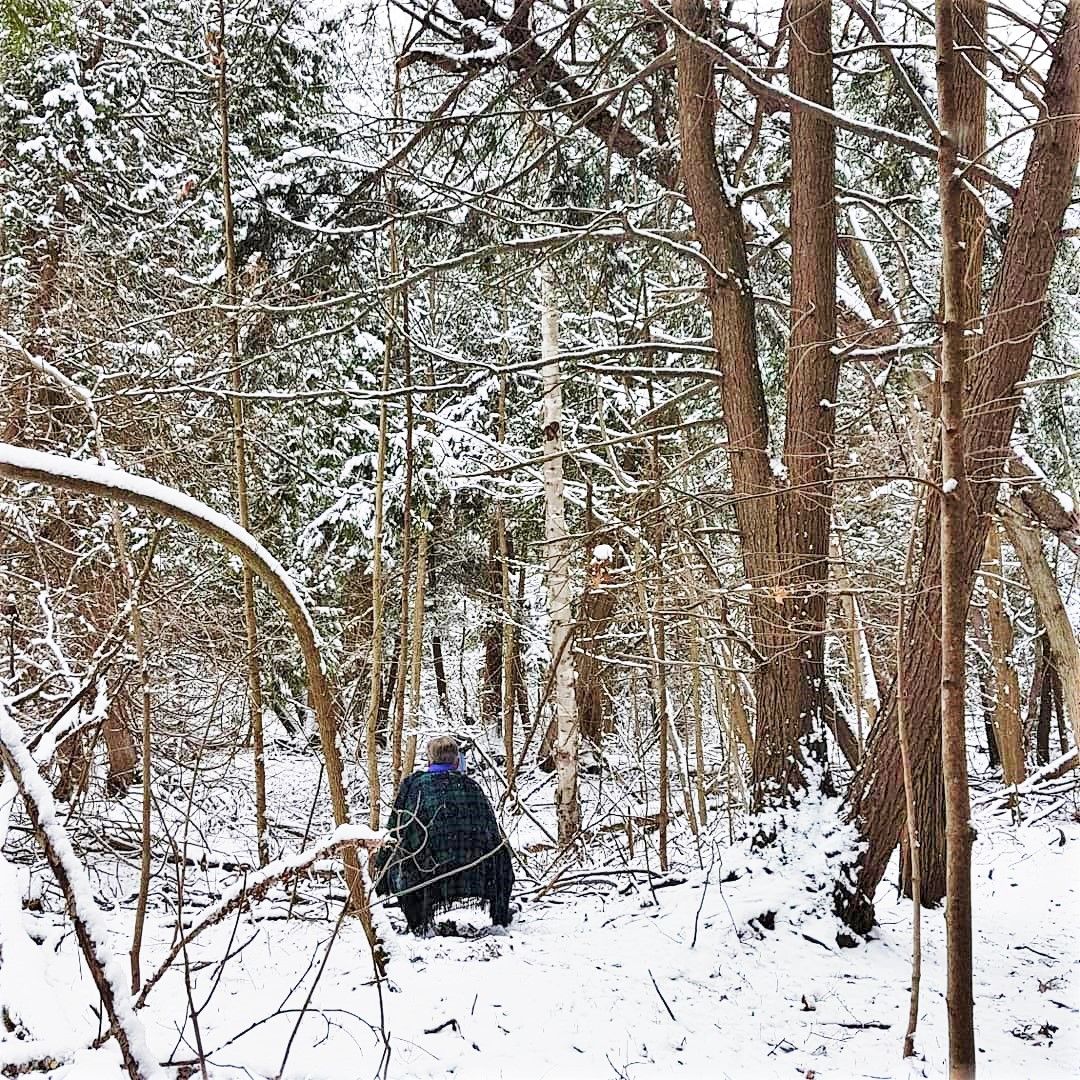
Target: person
(446,847)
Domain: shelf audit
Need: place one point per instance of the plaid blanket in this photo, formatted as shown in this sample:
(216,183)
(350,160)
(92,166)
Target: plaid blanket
(449,850)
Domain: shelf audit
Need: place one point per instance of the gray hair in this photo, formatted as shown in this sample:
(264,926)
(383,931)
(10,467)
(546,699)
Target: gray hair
(443,750)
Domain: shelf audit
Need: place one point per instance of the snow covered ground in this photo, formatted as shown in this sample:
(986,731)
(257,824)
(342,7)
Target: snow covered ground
(600,976)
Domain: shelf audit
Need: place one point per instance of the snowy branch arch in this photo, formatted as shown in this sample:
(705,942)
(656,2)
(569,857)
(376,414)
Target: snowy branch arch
(87,478)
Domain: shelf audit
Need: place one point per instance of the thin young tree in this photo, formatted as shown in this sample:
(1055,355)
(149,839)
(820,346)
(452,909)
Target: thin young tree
(557,555)
(219,57)
(956,512)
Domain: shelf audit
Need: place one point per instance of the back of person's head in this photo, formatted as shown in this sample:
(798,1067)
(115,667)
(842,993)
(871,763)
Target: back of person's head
(443,750)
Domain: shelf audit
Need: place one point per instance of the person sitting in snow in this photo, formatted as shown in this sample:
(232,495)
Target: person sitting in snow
(446,847)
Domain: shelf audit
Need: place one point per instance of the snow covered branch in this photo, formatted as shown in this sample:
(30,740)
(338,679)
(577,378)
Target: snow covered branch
(344,837)
(107,972)
(57,471)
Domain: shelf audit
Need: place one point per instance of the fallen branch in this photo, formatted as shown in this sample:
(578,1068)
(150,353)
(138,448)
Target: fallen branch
(865,1025)
(1056,768)
(451,1023)
(70,875)
(343,838)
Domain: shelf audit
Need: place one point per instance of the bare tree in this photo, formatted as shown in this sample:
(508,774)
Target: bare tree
(956,511)
(557,552)
(1012,323)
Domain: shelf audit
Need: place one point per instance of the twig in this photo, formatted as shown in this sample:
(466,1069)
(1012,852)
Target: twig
(877,1025)
(704,890)
(342,838)
(661,996)
(451,1023)
(314,984)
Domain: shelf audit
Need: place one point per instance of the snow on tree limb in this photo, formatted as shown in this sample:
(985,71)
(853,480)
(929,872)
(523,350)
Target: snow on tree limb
(256,885)
(106,969)
(57,471)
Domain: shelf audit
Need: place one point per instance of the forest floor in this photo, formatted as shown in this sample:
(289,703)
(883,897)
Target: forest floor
(619,971)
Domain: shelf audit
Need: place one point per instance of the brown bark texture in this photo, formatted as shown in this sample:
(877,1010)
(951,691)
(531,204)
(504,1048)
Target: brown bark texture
(813,369)
(593,690)
(955,524)
(1007,730)
(1012,323)
(1060,636)
(719,229)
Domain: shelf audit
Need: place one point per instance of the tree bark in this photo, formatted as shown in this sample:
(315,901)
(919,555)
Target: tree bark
(1008,733)
(442,686)
(910,816)
(398,729)
(865,695)
(719,229)
(251,629)
(491,664)
(956,523)
(813,369)
(416,642)
(1012,324)
(378,588)
(557,550)
(505,550)
(1051,611)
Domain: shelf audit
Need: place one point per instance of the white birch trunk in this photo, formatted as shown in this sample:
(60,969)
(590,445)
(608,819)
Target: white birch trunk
(864,690)
(557,548)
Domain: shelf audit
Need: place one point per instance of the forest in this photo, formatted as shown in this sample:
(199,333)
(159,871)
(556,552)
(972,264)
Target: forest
(674,403)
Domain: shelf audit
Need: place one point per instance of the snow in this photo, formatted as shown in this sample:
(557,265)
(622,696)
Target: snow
(86,910)
(1027,460)
(949,486)
(580,985)
(125,483)
(603,553)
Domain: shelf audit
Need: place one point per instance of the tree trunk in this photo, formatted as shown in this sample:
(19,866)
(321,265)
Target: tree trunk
(1007,730)
(557,551)
(1044,699)
(491,666)
(865,695)
(1011,327)
(985,673)
(251,629)
(719,228)
(416,641)
(378,589)
(120,746)
(398,730)
(956,510)
(597,606)
(1051,612)
(695,704)
(521,694)
(505,552)
(442,687)
(813,368)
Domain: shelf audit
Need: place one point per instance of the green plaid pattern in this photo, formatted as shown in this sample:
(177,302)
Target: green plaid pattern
(449,850)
